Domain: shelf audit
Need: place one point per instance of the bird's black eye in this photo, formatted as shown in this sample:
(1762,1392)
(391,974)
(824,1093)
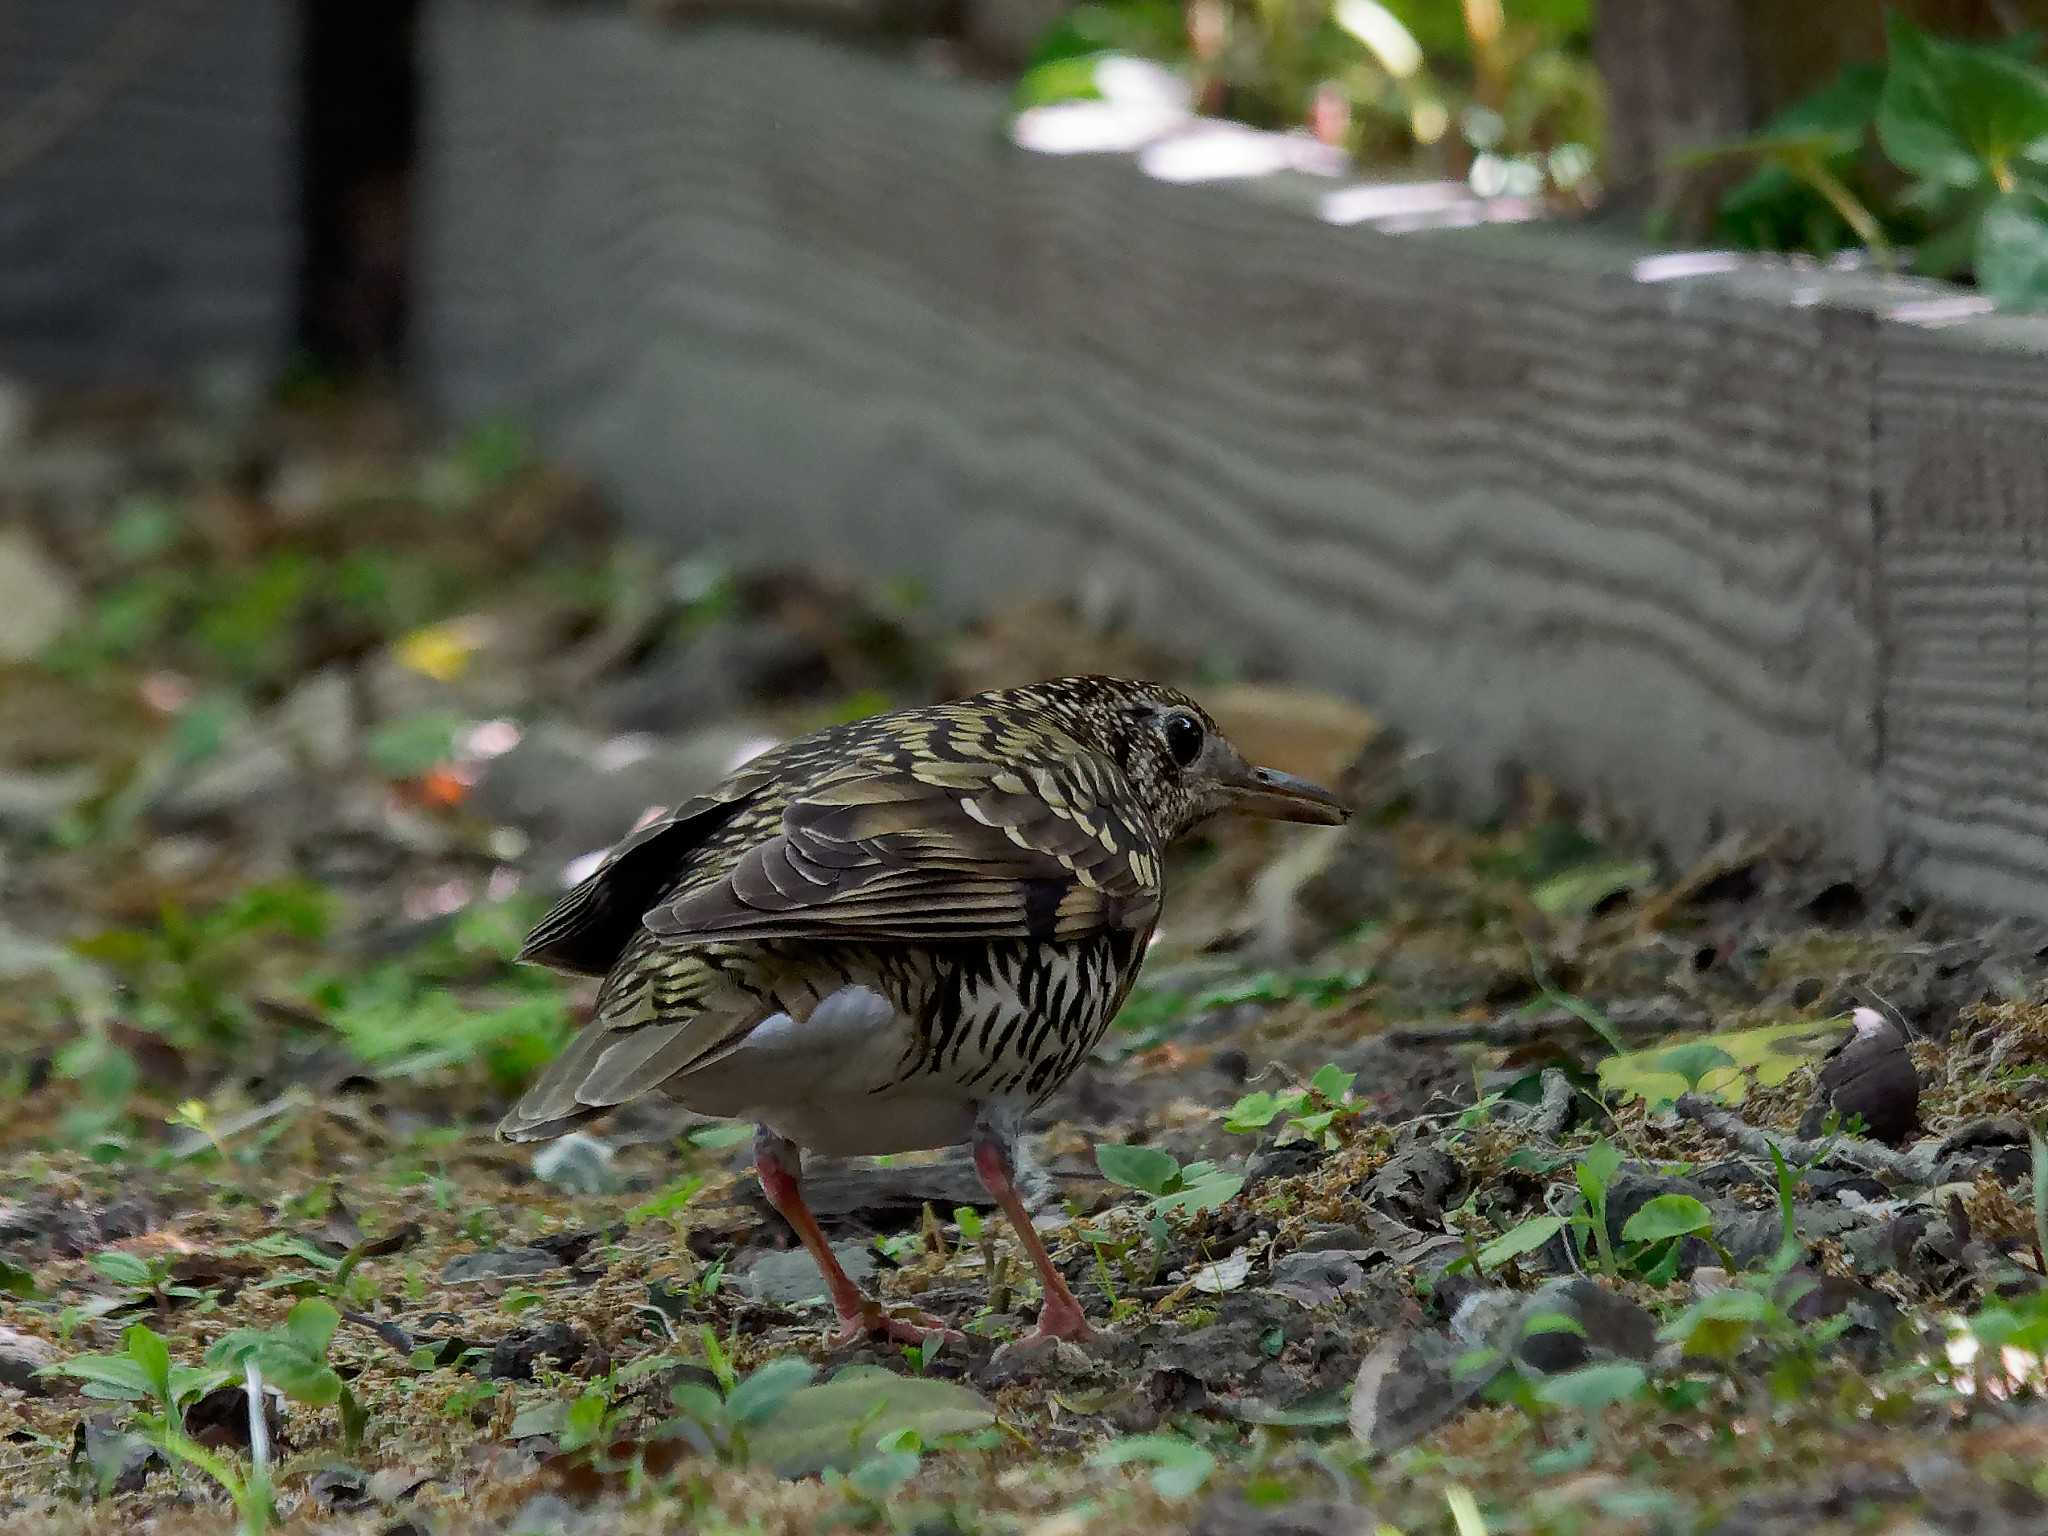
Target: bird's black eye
(1183,738)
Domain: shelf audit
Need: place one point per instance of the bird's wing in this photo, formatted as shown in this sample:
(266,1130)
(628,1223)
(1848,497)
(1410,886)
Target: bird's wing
(589,927)
(675,1010)
(932,850)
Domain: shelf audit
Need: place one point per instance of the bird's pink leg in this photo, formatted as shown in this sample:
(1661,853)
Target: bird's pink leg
(778,1163)
(1061,1317)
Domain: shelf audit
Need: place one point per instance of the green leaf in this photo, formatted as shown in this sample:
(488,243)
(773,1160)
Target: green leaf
(1913,122)
(539,1419)
(669,1201)
(1954,114)
(1694,1061)
(1332,1081)
(699,1402)
(1596,1168)
(1843,110)
(355,1421)
(842,1422)
(1771,1053)
(153,1358)
(115,1376)
(17,1281)
(1179,1467)
(1253,1112)
(298,1377)
(284,1245)
(1056,80)
(2012,250)
(1212,1189)
(1141,1168)
(1591,1388)
(1148,28)
(1663,1269)
(1524,1237)
(410,746)
(311,1325)
(880,1476)
(1667,1216)
(123,1269)
(1578,891)
(1719,1324)
(765,1390)
(292,1358)
(583,1422)
(2038,1150)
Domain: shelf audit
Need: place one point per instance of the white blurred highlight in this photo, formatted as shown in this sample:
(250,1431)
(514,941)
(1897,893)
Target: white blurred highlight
(1381,31)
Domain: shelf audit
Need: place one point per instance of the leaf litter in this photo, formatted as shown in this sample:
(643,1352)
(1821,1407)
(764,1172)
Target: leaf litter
(1440,1175)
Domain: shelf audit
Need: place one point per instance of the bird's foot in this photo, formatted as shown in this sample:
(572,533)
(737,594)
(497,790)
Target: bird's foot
(1057,1322)
(906,1325)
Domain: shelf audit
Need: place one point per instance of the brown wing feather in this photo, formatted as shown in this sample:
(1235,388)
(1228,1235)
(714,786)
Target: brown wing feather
(588,928)
(936,850)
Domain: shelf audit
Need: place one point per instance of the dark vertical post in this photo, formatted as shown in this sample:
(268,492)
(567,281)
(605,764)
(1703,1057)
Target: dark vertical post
(360,86)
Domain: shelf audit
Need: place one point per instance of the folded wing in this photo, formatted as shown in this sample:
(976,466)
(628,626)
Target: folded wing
(932,851)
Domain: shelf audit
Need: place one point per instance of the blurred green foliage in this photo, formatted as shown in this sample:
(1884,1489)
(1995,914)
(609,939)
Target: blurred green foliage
(1942,147)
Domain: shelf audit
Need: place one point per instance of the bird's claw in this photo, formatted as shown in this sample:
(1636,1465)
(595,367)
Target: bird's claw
(1065,1324)
(905,1325)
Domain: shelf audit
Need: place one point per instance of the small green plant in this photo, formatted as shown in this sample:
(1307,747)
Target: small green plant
(188,971)
(869,1484)
(1169,1188)
(293,1358)
(342,1280)
(669,1204)
(716,1422)
(144,1373)
(1594,1172)
(1180,1467)
(1586,1220)
(401,1026)
(1657,1232)
(1308,1113)
(148,1278)
(1172,1188)
(1753,1310)
(2012,1323)
(1962,132)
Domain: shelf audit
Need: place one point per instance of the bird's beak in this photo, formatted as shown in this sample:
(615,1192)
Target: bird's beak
(1281,796)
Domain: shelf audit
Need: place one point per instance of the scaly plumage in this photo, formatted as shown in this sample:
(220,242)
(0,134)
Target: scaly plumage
(903,932)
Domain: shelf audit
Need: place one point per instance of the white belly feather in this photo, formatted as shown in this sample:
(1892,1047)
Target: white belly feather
(828,1082)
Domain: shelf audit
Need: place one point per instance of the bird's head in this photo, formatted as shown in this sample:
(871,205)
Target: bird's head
(1178,759)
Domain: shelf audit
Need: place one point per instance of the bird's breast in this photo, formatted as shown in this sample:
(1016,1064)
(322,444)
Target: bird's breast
(892,1049)
(1015,1019)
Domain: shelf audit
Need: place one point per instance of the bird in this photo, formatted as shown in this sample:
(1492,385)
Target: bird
(900,933)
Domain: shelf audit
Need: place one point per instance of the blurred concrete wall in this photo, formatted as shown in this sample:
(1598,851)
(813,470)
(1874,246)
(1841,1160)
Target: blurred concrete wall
(148,169)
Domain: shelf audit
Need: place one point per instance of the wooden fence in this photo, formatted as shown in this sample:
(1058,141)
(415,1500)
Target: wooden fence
(1718,541)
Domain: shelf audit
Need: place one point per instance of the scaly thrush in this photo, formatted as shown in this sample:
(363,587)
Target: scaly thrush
(900,933)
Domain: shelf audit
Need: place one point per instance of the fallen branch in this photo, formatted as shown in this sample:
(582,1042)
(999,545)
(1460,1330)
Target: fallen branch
(1555,1112)
(1836,1151)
